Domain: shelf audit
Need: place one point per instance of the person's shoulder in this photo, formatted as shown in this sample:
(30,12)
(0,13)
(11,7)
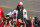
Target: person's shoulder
(24,9)
(0,8)
(13,10)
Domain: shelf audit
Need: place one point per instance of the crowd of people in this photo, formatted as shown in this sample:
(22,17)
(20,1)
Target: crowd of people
(9,21)
(18,18)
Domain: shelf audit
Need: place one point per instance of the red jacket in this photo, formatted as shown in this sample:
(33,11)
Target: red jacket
(1,14)
(1,25)
(32,26)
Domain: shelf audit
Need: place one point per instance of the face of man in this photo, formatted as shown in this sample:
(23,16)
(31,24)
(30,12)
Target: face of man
(20,6)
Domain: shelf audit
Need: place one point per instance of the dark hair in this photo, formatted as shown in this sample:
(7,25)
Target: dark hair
(7,15)
(36,20)
(39,21)
(4,19)
(18,7)
(11,18)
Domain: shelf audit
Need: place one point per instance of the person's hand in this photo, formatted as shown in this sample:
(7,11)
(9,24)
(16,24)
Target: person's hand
(2,20)
(9,15)
(24,22)
(33,18)
(7,18)
(30,18)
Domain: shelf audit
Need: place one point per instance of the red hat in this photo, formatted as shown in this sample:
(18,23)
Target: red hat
(20,3)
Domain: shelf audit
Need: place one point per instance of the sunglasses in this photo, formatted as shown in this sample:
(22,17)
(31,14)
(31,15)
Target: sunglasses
(19,6)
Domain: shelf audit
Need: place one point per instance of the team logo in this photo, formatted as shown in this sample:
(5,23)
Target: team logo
(24,13)
(14,13)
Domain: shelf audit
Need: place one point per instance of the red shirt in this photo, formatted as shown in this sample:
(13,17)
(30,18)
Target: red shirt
(1,14)
(32,26)
(1,25)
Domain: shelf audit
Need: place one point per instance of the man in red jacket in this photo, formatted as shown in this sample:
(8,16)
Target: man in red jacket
(1,16)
